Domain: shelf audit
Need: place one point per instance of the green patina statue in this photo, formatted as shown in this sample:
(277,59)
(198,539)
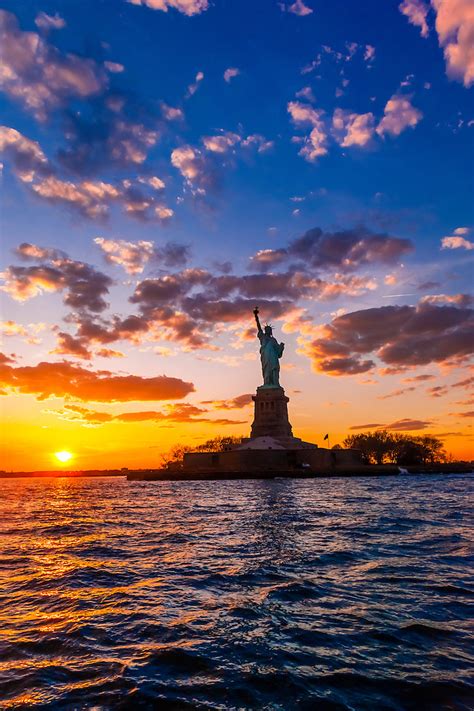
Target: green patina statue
(270,353)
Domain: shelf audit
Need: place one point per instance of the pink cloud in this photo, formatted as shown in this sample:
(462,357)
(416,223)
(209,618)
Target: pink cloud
(353,129)
(186,7)
(455,28)
(417,12)
(399,114)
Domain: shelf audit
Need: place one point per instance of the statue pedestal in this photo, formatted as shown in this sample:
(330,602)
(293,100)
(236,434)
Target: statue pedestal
(271,413)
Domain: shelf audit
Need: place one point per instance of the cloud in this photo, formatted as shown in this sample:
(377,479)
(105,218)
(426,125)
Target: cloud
(221,143)
(201,301)
(457,240)
(303,113)
(348,128)
(397,393)
(458,299)
(186,7)
(7,359)
(66,344)
(99,386)
(91,198)
(257,141)
(419,378)
(346,250)
(230,73)
(298,8)
(306,93)
(107,138)
(187,306)
(455,28)
(114,67)
(172,254)
(194,168)
(203,167)
(39,76)
(171,113)
(85,286)
(399,115)
(464,383)
(49,22)
(70,381)
(132,256)
(438,391)
(343,56)
(369,53)
(417,12)
(94,199)
(181,412)
(404,425)
(194,86)
(26,156)
(225,141)
(369,426)
(28,333)
(108,353)
(352,129)
(408,425)
(94,334)
(400,336)
(232,404)
(315,144)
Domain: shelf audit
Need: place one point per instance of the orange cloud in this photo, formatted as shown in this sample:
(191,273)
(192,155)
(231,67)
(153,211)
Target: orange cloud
(234,403)
(179,413)
(71,381)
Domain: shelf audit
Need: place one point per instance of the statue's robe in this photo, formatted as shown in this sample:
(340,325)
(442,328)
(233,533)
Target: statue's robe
(270,353)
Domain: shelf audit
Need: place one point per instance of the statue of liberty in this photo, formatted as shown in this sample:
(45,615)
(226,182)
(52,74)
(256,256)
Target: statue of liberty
(270,353)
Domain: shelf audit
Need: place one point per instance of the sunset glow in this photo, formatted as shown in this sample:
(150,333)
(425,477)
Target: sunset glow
(63,456)
(301,163)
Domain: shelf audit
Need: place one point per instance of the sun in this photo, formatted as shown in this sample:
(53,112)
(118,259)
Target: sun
(64,456)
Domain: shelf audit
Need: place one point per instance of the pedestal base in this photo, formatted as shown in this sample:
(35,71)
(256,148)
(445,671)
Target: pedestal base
(271,413)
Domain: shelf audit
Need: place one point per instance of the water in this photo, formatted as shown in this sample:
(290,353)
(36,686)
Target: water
(284,594)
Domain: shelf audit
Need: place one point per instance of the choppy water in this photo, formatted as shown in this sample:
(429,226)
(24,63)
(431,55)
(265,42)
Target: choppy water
(284,594)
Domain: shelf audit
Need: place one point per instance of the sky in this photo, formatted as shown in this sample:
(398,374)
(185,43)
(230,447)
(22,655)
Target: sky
(168,165)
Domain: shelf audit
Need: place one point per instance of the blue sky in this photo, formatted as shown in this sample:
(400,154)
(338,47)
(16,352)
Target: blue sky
(232,129)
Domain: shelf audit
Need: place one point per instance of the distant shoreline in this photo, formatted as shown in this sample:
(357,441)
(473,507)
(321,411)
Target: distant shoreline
(58,473)
(159,474)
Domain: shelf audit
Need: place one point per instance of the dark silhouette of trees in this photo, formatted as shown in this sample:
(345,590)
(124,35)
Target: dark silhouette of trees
(381,447)
(173,458)
(219,444)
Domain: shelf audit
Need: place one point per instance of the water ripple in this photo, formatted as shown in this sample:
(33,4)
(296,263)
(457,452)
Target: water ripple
(344,594)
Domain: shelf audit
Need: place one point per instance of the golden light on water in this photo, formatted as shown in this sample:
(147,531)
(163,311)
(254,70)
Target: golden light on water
(63,456)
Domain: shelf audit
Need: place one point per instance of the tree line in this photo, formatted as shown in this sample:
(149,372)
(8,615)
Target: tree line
(383,447)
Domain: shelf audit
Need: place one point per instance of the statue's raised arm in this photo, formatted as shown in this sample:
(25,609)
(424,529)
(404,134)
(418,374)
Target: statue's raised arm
(255,313)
